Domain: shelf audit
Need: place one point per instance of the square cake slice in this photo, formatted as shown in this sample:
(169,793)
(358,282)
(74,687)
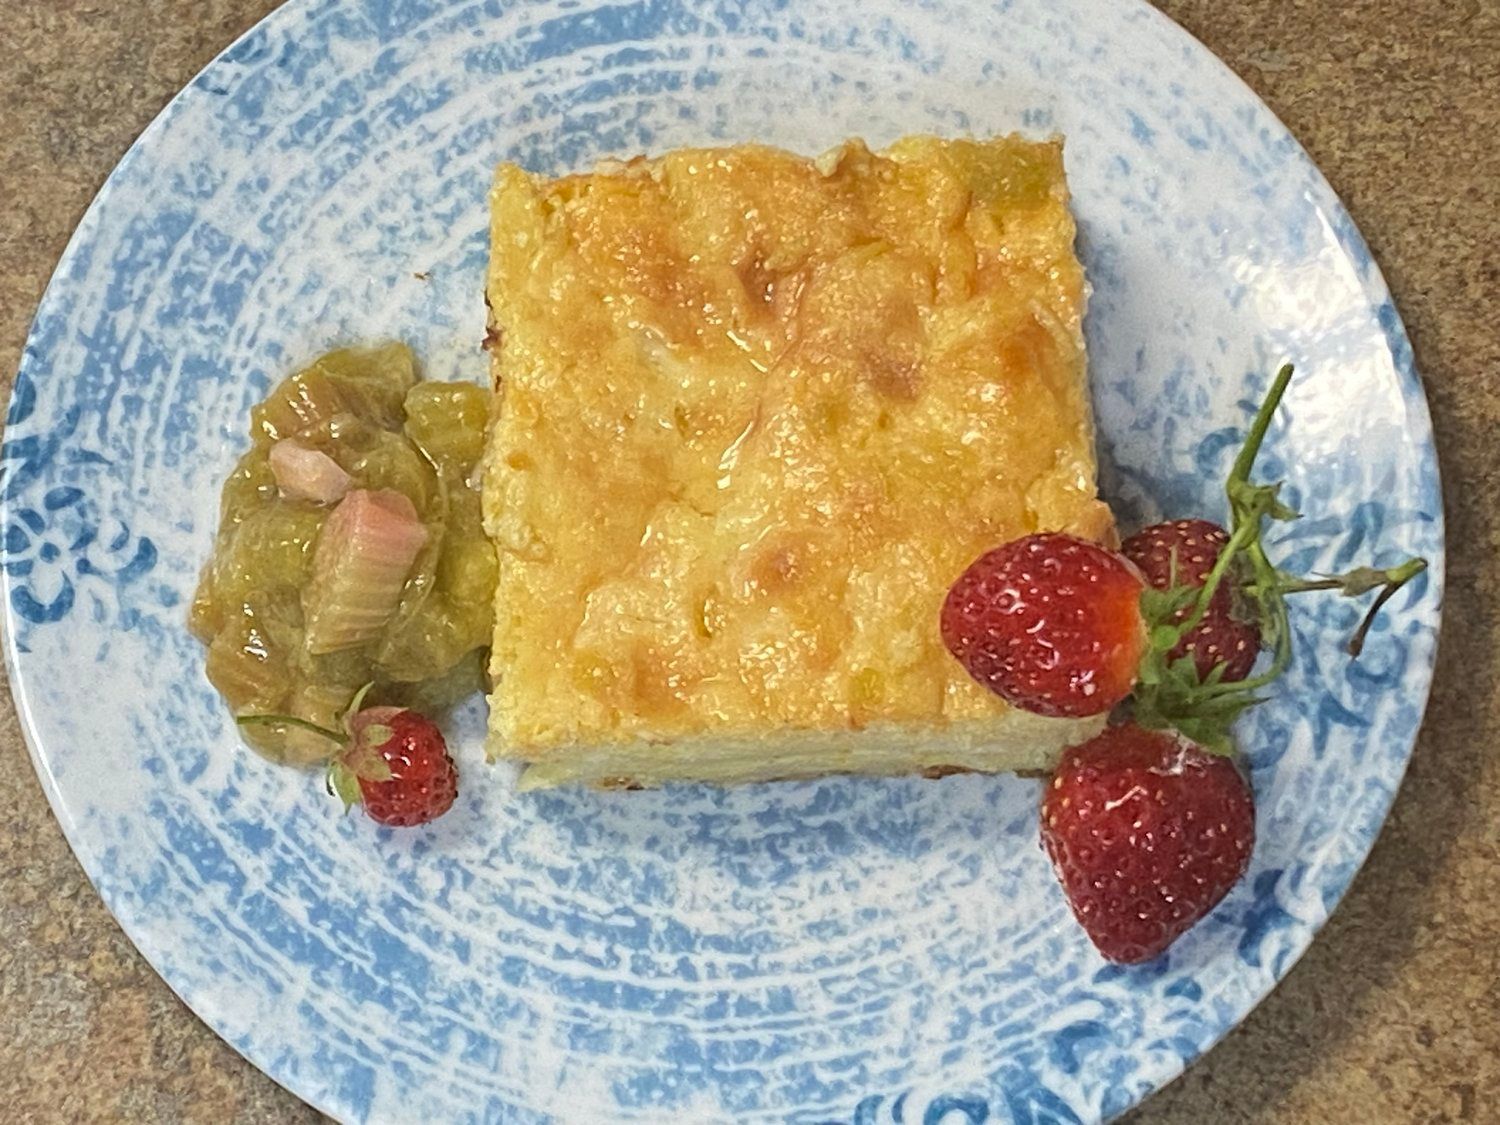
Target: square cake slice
(755,413)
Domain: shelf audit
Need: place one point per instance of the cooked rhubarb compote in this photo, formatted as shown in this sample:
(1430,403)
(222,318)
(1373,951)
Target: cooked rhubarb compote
(349,550)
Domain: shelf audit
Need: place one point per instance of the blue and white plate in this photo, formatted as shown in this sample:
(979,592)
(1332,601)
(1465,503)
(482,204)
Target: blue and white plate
(836,951)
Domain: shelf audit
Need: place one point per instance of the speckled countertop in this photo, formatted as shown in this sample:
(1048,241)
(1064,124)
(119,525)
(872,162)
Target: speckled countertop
(1394,1015)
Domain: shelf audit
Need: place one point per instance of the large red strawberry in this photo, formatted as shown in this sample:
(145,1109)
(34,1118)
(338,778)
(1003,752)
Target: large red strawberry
(1050,623)
(1181,553)
(1147,832)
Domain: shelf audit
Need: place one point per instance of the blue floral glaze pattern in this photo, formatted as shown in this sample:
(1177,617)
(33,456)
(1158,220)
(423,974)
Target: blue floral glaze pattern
(54,540)
(845,951)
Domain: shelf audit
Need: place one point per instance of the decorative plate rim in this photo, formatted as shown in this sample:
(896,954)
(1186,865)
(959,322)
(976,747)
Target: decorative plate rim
(324,1098)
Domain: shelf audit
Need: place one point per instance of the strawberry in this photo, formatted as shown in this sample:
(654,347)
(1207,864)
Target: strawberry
(1050,623)
(418,783)
(392,760)
(1216,598)
(1181,553)
(1150,823)
(1147,832)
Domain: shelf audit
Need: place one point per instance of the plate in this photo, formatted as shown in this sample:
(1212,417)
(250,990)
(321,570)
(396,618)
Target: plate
(837,951)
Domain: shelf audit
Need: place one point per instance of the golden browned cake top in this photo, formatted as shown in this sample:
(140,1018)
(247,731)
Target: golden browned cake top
(758,411)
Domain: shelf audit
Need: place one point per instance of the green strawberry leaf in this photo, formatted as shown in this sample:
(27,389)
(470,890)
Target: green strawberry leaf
(376,734)
(1160,606)
(343,783)
(1259,500)
(366,762)
(1164,638)
(378,769)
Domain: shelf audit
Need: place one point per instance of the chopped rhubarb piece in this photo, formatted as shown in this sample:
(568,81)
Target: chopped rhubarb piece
(307,474)
(299,403)
(360,565)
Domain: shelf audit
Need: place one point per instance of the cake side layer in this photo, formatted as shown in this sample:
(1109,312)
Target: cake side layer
(757,412)
(1014,742)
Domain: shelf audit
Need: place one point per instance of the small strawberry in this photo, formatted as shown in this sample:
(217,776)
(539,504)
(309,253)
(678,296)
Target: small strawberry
(402,767)
(1182,553)
(1147,832)
(1050,623)
(392,760)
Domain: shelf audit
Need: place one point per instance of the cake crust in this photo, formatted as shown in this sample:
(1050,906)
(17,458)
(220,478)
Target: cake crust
(755,413)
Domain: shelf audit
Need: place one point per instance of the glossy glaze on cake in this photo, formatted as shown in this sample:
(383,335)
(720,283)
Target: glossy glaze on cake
(755,413)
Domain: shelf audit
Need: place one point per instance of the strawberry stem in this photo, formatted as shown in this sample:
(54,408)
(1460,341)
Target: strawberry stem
(289,721)
(1247,504)
(1240,538)
(356,703)
(1352,583)
(1205,708)
(1171,692)
(1251,449)
(1407,572)
(1276,622)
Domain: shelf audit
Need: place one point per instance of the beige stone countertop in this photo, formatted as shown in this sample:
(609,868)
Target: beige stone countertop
(1394,1013)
